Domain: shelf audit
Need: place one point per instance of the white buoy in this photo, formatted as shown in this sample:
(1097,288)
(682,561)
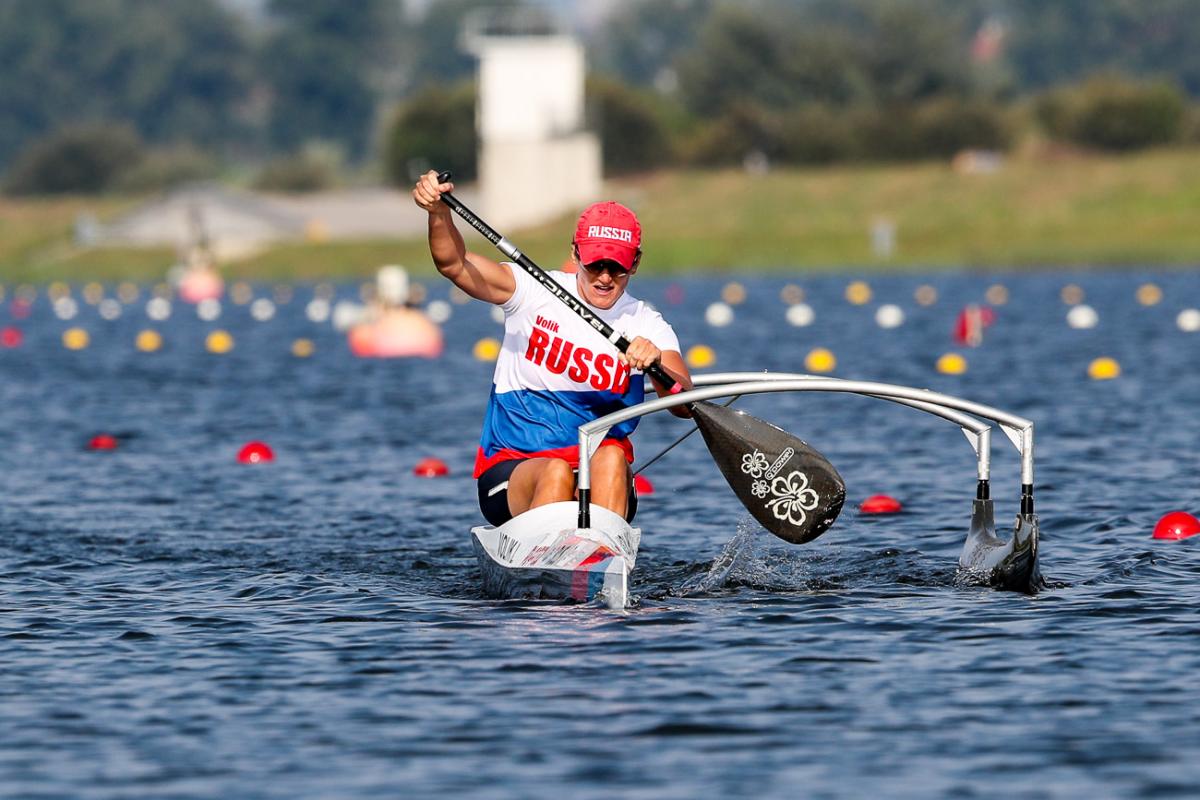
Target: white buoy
(317,310)
(109,308)
(1188,320)
(498,315)
(889,315)
(262,309)
(391,285)
(208,309)
(438,311)
(347,314)
(718,314)
(800,315)
(1082,317)
(66,308)
(158,308)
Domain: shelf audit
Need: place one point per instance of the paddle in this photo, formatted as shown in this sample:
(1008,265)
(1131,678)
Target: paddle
(677,442)
(790,488)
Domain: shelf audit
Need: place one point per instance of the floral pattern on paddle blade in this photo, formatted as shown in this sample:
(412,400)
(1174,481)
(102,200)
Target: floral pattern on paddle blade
(792,498)
(755,464)
(759,489)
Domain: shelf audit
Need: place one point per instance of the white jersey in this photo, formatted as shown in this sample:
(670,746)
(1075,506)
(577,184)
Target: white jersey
(555,372)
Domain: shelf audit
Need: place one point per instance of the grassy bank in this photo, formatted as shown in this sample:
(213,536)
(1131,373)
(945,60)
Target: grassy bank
(1037,210)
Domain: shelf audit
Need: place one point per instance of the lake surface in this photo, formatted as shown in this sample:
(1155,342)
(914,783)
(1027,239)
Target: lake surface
(177,625)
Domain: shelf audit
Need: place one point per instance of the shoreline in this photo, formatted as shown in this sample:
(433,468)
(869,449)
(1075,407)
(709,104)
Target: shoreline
(1080,212)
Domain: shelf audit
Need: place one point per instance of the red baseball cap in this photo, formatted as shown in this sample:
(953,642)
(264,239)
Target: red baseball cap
(608,231)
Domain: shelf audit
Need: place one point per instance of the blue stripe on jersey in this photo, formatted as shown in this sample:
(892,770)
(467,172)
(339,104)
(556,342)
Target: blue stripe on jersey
(530,421)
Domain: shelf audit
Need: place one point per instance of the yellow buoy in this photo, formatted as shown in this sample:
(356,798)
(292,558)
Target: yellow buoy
(820,360)
(127,292)
(56,291)
(486,349)
(148,341)
(858,293)
(925,295)
(952,364)
(1104,369)
(75,338)
(93,293)
(700,356)
(1148,294)
(303,348)
(219,342)
(733,293)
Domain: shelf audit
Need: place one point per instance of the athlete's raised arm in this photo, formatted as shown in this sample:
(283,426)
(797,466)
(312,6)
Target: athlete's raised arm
(478,276)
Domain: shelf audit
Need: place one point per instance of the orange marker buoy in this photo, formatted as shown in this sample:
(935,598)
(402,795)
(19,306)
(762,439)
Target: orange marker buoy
(880,504)
(255,453)
(11,337)
(102,441)
(1176,525)
(398,333)
(431,468)
(201,284)
(642,485)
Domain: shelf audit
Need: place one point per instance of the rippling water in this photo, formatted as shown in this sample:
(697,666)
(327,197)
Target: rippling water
(177,625)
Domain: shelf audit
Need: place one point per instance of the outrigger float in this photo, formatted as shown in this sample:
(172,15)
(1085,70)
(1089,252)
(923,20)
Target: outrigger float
(586,553)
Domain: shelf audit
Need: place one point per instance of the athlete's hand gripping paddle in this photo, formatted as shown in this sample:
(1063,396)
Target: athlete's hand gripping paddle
(789,487)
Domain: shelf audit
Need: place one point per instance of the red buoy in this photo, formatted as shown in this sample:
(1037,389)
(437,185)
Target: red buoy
(11,337)
(1176,525)
(103,441)
(880,504)
(20,308)
(431,468)
(255,453)
(642,485)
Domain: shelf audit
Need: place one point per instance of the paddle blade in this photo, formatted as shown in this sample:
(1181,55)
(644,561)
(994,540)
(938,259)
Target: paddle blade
(790,488)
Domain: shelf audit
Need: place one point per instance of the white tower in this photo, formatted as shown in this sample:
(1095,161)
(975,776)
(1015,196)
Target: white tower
(536,162)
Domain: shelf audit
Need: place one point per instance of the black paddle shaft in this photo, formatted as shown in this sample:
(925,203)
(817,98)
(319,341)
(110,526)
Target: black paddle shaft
(655,371)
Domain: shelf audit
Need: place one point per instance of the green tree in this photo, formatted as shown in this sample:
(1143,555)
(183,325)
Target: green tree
(1114,113)
(641,43)
(86,159)
(323,62)
(435,129)
(438,55)
(175,71)
(1068,40)
(633,134)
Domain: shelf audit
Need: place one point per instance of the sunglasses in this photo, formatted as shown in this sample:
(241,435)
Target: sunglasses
(611,267)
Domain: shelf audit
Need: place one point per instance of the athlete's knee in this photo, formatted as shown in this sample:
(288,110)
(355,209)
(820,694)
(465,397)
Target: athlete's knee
(608,460)
(558,473)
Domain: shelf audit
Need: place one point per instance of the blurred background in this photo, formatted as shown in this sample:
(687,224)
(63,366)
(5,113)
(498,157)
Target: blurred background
(762,134)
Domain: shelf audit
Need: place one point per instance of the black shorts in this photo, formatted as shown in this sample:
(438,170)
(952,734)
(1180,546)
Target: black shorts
(493,493)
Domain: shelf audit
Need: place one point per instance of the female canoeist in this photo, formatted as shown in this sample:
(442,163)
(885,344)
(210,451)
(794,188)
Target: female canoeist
(555,372)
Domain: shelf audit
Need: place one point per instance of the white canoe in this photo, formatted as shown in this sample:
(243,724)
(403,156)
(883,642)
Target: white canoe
(544,554)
